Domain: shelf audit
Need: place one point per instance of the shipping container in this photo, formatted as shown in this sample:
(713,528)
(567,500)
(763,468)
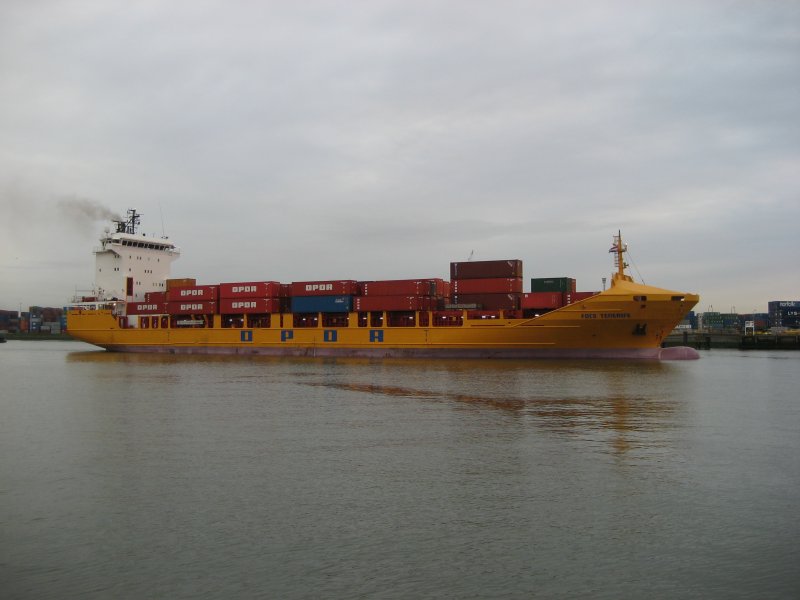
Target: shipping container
(784,313)
(285,291)
(324,288)
(317,304)
(370,303)
(572,297)
(553,284)
(485,269)
(196,292)
(250,289)
(146,308)
(248,305)
(154,297)
(488,301)
(176,283)
(403,287)
(495,285)
(192,307)
(542,300)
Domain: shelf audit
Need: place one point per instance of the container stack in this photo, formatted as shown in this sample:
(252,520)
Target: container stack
(250,297)
(155,303)
(193,300)
(323,296)
(548,293)
(486,284)
(400,295)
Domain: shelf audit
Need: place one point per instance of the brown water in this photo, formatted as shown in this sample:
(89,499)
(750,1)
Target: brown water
(135,476)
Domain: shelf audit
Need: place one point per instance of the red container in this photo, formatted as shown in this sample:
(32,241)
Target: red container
(489,301)
(238,306)
(153,297)
(195,292)
(369,303)
(146,308)
(498,285)
(183,282)
(324,288)
(403,287)
(542,300)
(250,289)
(192,307)
(572,297)
(285,291)
(485,269)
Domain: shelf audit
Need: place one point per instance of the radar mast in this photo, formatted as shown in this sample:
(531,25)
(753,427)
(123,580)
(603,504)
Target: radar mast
(130,224)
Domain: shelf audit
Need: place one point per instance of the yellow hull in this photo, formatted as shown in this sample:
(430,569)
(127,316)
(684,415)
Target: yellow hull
(627,321)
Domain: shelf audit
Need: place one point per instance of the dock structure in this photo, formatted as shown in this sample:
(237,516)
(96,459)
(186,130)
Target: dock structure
(704,340)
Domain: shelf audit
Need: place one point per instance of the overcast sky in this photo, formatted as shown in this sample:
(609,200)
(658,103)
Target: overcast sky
(383,139)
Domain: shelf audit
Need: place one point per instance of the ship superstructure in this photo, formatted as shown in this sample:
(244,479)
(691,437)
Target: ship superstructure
(128,264)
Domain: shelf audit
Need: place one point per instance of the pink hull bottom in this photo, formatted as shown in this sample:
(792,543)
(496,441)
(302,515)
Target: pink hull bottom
(673,353)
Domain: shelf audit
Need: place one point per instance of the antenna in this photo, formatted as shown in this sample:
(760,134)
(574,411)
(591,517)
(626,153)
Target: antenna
(163,231)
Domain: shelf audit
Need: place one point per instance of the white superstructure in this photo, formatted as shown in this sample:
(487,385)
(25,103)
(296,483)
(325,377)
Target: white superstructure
(128,264)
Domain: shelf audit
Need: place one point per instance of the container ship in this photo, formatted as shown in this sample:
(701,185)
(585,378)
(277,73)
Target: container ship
(481,312)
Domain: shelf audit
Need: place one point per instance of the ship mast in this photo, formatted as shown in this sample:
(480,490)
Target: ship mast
(618,248)
(130,224)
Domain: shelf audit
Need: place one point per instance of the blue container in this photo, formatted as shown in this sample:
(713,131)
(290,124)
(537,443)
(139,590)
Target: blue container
(322,304)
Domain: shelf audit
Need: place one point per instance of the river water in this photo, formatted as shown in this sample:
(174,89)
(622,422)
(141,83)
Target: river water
(148,476)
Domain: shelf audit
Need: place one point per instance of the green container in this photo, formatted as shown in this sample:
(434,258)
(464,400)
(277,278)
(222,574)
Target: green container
(553,284)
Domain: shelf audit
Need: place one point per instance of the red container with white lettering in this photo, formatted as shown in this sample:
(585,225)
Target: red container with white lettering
(250,289)
(195,292)
(324,288)
(239,306)
(542,300)
(146,308)
(495,285)
(192,307)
